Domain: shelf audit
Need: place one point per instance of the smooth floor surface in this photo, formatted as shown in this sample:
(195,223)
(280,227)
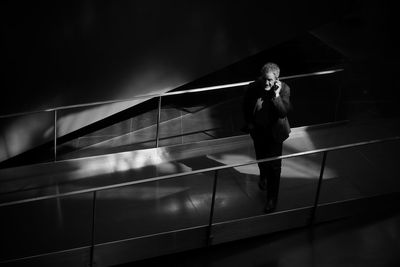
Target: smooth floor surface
(183,202)
(368,240)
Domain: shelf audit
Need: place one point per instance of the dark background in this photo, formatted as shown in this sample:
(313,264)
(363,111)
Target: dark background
(56,53)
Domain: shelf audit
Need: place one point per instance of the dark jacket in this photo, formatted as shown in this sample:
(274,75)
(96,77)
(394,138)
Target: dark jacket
(271,111)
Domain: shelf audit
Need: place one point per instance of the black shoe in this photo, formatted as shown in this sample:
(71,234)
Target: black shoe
(269,207)
(262,185)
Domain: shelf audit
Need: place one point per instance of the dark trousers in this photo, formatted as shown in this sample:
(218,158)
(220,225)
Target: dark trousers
(270,172)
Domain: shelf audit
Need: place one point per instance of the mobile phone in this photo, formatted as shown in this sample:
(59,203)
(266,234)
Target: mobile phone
(275,86)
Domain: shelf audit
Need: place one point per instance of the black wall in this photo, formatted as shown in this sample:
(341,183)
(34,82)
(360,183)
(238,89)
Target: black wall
(68,52)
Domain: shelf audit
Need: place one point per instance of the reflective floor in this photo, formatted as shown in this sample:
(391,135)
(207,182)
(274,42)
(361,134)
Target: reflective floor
(71,175)
(370,240)
(184,202)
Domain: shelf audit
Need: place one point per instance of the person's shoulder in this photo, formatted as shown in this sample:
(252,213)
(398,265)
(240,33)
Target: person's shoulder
(285,86)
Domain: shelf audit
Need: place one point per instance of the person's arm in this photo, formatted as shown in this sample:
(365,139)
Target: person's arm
(282,101)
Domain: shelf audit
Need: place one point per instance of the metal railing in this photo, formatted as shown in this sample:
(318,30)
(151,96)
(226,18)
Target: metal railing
(216,170)
(202,89)
(170,176)
(95,190)
(149,96)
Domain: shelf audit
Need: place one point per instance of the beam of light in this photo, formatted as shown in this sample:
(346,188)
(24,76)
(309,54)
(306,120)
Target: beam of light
(159,158)
(121,162)
(76,120)
(24,133)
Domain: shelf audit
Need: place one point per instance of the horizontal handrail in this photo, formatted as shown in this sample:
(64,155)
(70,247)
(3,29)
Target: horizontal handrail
(165,177)
(202,89)
(180,230)
(44,254)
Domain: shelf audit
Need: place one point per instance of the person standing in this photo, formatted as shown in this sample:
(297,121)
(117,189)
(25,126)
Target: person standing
(266,106)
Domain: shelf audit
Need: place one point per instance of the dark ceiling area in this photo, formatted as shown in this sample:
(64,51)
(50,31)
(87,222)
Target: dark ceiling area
(362,40)
(58,53)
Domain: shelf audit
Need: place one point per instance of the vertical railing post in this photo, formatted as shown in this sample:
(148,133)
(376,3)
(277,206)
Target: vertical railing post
(210,221)
(321,174)
(158,121)
(91,263)
(55,135)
